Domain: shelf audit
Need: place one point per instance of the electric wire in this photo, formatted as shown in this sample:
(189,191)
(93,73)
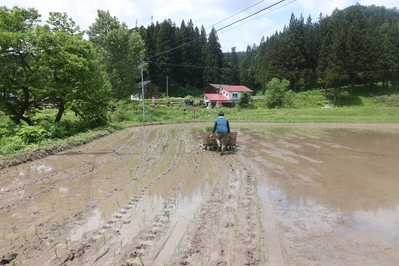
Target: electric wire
(277,8)
(263,9)
(179,85)
(276,71)
(186,43)
(236,14)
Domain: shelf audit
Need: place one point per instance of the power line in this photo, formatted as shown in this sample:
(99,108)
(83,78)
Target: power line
(235,14)
(186,43)
(263,9)
(180,86)
(277,8)
(284,72)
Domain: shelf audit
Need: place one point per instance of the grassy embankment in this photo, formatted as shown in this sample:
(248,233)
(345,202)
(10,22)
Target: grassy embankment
(19,144)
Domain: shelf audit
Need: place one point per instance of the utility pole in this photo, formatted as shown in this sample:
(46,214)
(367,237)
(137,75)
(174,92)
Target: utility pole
(167,87)
(142,88)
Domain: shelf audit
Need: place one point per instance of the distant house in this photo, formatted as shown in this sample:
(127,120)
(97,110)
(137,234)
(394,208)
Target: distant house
(223,95)
(215,99)
(212,88)
(151,90)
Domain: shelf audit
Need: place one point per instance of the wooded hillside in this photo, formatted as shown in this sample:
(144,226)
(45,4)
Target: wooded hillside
(358,45)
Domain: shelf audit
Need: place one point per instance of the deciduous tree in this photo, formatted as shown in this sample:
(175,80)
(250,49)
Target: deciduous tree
(122,49)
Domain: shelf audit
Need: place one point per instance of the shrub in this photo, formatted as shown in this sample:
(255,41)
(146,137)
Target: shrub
(8,129)
(189,100)
(309,99)
(31,134)
(278,94)
(387,100)
(244,101)
(56,131)
(11,145)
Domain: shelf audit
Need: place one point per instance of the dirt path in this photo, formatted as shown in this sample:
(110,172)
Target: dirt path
(152,196)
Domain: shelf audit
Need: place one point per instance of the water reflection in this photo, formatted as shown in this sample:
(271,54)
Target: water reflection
(384,223)
(330,184)
(92,223)
(43,168)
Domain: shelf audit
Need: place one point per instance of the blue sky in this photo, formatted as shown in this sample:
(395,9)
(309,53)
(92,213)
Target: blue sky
(202,12)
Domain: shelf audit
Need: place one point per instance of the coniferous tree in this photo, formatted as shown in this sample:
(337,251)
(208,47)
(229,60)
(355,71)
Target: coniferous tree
(373,53)
(312,46)
(247,73)
(336,74)
(295,51)
(301,53)
(149,36)
(213,59)
(390,52)
(200,57)
(165,54)
(188,38)
(276,62)
(230,68)
(355,43)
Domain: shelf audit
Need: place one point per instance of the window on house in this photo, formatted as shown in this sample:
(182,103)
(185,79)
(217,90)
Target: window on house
(235,95)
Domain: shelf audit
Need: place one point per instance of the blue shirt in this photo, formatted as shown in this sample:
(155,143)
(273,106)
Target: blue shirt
(222,124)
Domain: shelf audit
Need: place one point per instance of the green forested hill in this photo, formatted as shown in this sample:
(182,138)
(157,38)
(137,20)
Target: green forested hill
(355,46)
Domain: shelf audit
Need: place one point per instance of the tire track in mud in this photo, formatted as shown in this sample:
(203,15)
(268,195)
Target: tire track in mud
(75,172)
(146,235)
(70,173)
(142,183)
(146,246)
(42,226)
(227,230)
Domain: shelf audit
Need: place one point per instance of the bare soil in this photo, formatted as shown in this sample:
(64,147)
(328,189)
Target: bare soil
(290,194)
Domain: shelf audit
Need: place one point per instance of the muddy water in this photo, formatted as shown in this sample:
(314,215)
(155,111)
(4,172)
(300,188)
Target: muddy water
(291,194)
(334,191)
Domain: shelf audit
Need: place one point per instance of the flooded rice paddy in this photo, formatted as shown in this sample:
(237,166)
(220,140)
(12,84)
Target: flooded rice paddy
(290,194)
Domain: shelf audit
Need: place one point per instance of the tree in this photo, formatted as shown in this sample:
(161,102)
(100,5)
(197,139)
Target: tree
(311,46)
(191,53)
(165,40)
(122,49)
(244,101)
(295,51)
(149,37)
(48,63)
(19,77)
(213,59)
(230,68)
(278,94)
(71,65)
(247,76)
(391,53)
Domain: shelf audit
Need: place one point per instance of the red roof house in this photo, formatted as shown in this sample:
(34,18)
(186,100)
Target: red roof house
(233,92)
(212,99)
(226,96)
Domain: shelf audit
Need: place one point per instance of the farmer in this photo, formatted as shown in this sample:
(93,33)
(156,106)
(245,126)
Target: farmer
(222,124)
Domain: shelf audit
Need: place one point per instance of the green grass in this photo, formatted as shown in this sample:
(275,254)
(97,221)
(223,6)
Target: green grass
(348,109)
(325,115)
(311,115)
